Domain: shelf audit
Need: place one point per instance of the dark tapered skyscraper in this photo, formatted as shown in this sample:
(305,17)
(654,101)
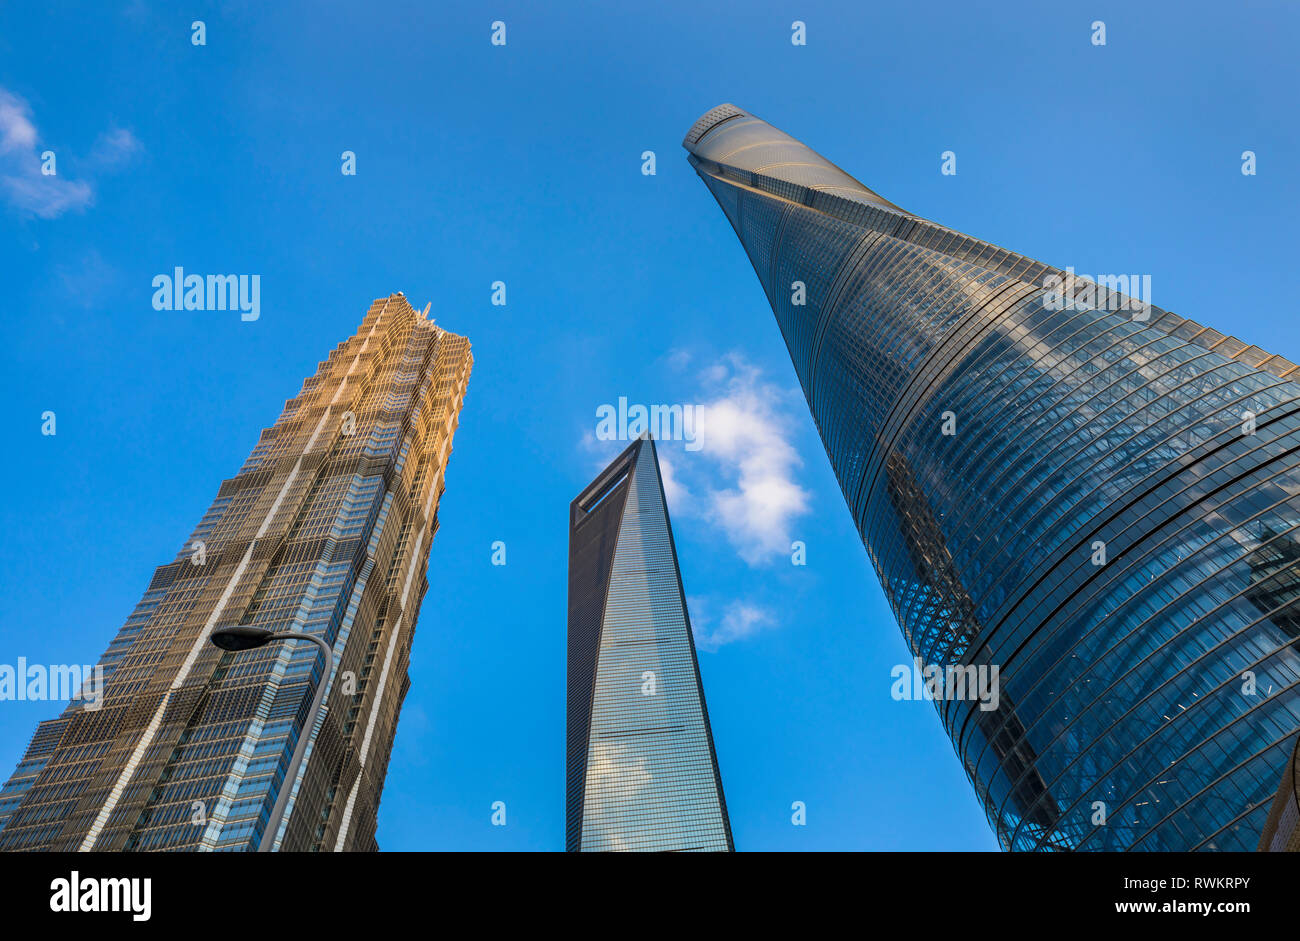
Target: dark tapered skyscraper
(325,530)
(641,770)
(1094,495)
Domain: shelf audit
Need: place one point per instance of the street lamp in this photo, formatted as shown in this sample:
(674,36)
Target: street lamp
(247,638)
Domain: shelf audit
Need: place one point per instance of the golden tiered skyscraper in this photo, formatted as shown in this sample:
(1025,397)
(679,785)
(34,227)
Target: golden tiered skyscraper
(325,530)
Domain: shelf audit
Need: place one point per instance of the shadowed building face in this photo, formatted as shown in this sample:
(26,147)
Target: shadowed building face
(1100,499)
(641,769)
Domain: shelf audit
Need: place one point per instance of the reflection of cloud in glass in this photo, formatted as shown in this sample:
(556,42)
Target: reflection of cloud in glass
(614,779)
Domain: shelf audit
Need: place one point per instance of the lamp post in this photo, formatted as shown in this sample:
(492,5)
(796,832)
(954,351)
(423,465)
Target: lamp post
(247,638)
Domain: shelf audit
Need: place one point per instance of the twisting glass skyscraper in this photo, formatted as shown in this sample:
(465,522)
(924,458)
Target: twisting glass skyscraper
(641,772)
(324,530)
(1099,498)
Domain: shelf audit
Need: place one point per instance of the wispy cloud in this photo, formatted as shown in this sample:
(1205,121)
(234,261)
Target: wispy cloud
(740,619)
(678,359)
(86,280)
(114,149)
(26,186)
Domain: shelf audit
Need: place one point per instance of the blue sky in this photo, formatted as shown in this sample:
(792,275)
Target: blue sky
(522,164)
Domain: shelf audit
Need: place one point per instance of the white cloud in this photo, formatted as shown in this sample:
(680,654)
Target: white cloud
(17,134)
(22,183)
(745,434)
(739,485)
(25,187)
(736,470)
(741,619)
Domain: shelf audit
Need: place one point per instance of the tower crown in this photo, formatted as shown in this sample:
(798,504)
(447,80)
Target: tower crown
(730,137)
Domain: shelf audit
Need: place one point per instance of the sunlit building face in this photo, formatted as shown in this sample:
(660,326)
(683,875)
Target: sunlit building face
(325,530)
